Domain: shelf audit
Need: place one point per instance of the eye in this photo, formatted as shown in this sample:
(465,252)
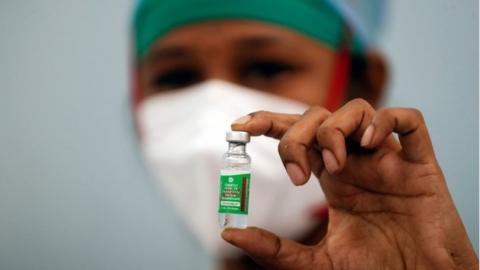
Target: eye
(266,70)
(176,78)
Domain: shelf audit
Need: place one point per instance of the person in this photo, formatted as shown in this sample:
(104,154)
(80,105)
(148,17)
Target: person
(311,72)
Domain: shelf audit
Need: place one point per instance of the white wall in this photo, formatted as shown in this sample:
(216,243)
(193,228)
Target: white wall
(73,192)
(432,46)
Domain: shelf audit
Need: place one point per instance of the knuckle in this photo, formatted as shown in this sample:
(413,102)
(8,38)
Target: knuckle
(384,113)
(322,132)
(316,110)
(359,102)
(286,145)
(260,114)
(416,114)
(328,133)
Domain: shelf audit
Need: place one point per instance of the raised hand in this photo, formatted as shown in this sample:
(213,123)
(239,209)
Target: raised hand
(389,206)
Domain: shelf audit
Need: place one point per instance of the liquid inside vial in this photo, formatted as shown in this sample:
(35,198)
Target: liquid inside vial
(234,183)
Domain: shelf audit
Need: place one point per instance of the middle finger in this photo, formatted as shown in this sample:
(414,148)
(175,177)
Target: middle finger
(351,122)
(296,144)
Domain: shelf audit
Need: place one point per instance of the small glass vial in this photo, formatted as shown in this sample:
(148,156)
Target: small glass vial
(234,182)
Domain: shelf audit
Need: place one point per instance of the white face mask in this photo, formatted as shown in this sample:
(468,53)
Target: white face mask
(183,139)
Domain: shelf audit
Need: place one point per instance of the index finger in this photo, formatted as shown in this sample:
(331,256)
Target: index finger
(265,123)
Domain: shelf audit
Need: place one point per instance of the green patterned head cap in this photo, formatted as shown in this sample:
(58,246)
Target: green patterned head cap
(322,20)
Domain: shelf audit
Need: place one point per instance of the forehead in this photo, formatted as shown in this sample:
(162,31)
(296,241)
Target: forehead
(235,34)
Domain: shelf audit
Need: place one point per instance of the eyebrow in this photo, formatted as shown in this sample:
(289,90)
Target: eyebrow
(169,53)
(255,42)
(174,52)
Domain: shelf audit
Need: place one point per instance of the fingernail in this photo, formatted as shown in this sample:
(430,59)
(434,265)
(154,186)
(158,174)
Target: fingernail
(295,173)
(242,120)
(330,161)
(367,136)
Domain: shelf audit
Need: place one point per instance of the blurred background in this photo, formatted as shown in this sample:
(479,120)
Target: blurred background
(74,193)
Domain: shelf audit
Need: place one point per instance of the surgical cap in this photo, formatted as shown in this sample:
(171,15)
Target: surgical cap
(322,20)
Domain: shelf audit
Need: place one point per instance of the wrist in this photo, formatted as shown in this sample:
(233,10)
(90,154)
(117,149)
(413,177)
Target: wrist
(452,259)
(444,236)
(452,250)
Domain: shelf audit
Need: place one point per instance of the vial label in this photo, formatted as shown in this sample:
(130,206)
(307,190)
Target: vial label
(234,192)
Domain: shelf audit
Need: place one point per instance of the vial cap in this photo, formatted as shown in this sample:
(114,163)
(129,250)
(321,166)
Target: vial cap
(238,136)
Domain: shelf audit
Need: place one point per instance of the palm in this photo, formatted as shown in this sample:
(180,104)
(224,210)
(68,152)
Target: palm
(366,220)
(373,182)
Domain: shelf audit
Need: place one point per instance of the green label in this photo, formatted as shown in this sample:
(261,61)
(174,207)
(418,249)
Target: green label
(234,189)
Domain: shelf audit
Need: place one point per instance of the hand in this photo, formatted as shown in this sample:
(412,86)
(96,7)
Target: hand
(389,206)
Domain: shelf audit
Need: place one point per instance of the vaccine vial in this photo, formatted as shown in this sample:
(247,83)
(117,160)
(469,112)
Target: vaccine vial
(234,182)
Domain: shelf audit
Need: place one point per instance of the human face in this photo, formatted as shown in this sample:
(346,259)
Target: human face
(253,54)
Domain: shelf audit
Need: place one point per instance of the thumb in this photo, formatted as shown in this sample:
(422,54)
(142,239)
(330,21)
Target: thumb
(269,250)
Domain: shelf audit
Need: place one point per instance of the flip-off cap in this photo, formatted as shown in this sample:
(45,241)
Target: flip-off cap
(238,136)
